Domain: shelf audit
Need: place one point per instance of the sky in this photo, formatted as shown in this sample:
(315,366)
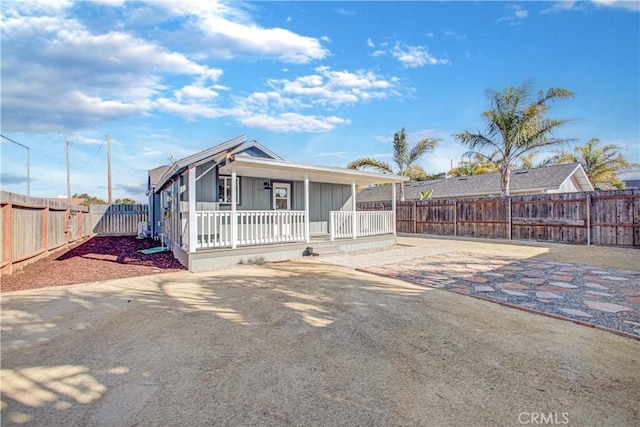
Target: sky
(316,82)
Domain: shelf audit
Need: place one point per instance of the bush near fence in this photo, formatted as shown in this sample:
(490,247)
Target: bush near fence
(606,218)
(33,228)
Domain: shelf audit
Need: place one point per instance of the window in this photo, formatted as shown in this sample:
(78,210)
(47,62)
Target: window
(224,189)
(281,196)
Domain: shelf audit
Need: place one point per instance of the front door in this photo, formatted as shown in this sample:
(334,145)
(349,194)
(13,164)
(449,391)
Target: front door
(281,196)
(281,202)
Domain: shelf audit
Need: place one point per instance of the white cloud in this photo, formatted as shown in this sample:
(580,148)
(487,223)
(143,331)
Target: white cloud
(517,14)
(633,5)
(58,76)
(225,30)
(293,122)
(370,43)
(415,56)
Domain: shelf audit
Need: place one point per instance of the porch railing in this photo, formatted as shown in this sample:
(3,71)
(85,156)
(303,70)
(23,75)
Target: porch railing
(367,223)
(252,228)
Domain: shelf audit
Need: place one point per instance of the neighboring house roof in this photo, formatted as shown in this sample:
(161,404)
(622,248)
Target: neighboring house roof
(631,178)
(546,179)
(250,158)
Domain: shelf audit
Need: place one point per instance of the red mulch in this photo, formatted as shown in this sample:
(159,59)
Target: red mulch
(97,259)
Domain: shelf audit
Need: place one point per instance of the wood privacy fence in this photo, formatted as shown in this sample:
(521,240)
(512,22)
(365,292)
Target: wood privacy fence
(607,218)
(32,228)
(118,220)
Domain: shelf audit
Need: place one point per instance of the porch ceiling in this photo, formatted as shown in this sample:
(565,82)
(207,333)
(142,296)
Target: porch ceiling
(289,171)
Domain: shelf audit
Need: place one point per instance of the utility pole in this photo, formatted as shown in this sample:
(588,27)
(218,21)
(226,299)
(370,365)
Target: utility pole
(28,163)
(109,168)
(66,144)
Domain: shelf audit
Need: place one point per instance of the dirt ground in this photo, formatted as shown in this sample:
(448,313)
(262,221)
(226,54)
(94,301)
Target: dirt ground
(97,259)
(301,343)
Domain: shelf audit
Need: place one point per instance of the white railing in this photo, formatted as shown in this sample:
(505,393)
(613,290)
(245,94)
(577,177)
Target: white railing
(214,229)
(374,223)
(341,224)
(263,227)
(368,223)
(252,228)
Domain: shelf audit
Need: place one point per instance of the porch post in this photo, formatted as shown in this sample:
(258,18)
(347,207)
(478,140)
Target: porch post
(192,214)
(354,222)
(234,212)
(306,209)
(393,205)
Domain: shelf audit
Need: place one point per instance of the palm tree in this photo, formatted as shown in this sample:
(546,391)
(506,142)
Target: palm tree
(601,163)
(516,125)
(403,157)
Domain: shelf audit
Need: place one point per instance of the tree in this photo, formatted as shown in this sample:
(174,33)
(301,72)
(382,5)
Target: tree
(403,157)
(416,173)
(516,125)
(474,164)
(125,201)
(601,163)
(89,200)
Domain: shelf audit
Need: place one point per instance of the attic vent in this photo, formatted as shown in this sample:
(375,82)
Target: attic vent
(521,172)
(462,179)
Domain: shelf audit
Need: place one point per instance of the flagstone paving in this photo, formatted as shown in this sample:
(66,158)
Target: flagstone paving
(608,298)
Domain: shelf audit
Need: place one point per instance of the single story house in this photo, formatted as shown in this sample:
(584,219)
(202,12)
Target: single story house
(239,202)
(566,178)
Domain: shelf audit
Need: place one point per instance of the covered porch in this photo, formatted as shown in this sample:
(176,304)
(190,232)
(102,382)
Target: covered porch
(283,223)
(308,205)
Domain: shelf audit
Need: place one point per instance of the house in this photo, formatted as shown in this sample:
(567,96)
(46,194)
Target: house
(566,178)
(239,202)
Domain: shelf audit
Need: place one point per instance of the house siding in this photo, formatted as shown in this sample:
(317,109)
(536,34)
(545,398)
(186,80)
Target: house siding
(324,198)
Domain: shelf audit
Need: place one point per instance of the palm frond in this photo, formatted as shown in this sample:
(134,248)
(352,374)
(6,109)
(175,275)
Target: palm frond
(371,163)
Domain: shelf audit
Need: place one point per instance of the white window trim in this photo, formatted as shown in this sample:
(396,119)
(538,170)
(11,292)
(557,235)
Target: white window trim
(225,181)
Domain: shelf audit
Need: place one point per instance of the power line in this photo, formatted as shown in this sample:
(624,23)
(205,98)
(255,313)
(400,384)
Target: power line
(28,163)
(92,157)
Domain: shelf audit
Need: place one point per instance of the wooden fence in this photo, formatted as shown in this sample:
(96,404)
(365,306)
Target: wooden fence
(118,220)
(33,228)
(606,218)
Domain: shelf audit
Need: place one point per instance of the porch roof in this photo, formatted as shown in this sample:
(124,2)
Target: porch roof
(291,171)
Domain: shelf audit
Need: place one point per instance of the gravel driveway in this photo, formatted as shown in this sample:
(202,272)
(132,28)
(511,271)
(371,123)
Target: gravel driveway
(301,343)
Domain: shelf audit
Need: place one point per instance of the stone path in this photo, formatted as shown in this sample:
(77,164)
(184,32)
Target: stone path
(608,298)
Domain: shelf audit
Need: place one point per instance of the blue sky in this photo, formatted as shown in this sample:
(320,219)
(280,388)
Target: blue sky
(316,82)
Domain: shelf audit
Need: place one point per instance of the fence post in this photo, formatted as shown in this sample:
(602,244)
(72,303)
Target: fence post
(588,219)
(509,223)
(455,218)
(7,239)
(415,217)
(44,242)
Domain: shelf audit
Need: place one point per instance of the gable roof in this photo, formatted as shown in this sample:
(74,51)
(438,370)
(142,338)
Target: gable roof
(155,175)
(215,153)
(523,181)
